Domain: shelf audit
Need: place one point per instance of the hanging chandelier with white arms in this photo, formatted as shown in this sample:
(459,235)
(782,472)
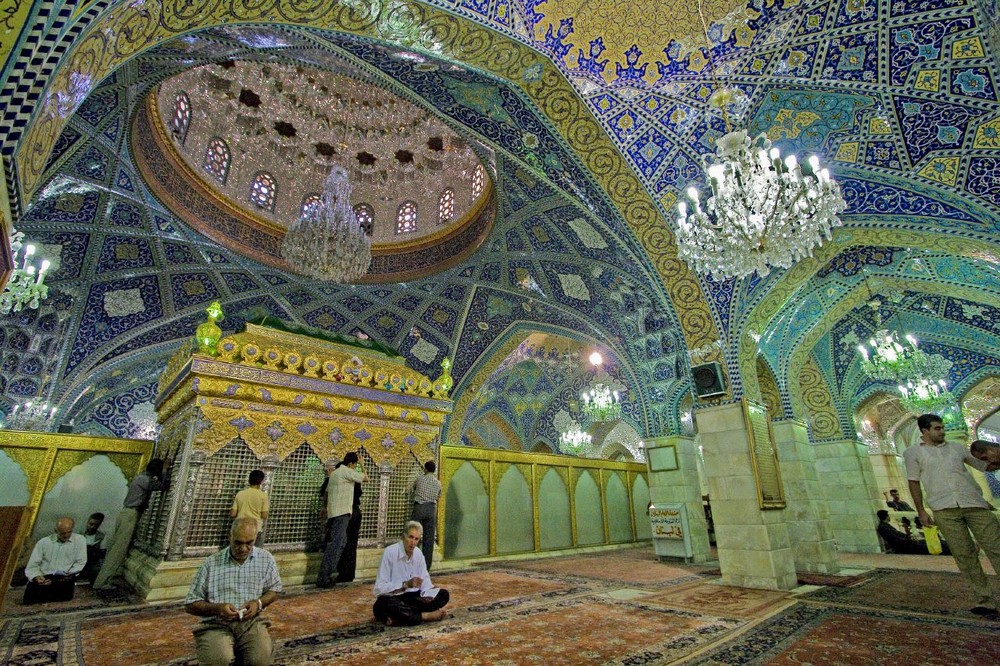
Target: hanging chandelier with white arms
(764,211)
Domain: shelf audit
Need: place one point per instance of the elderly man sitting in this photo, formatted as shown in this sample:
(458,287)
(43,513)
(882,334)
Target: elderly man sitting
(54,564)
(405,595)
(230,591)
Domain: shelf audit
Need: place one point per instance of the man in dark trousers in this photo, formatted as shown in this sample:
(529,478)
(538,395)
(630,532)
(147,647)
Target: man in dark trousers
(426,492)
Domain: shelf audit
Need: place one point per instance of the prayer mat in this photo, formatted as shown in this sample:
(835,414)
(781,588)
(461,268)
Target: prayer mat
(721,600)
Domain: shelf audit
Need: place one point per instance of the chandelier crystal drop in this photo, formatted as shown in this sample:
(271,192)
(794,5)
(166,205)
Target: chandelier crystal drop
(601,404)
(764,211)
(922,396)
(26,286)
(574,440)
(327,242)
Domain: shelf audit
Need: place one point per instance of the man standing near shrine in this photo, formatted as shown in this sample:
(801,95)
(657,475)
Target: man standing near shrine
(229,592)
(339,507)
(252,502)
(136,501)
(957,502)
(426,493)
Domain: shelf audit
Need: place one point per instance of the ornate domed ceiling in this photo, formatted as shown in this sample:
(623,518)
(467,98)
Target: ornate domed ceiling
(255,141)
(591,120)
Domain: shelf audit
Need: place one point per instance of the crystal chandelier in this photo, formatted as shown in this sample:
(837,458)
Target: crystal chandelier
(601,404)
(922,396)
(574,440)
(763,212)
(891,359)
(26,286)
(32,415)
(327,242)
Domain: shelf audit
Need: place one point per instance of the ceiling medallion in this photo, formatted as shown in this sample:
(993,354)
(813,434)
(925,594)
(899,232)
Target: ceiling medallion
(327,242)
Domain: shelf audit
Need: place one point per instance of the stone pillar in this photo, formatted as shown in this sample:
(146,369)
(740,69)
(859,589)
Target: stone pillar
(807,515)
(754,545)
(889,473)
(681,486)
(847,480)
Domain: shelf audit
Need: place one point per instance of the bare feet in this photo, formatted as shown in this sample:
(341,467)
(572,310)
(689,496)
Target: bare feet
(435,616)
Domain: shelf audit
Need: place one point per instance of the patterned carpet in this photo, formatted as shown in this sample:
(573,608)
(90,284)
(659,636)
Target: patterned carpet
(613,608)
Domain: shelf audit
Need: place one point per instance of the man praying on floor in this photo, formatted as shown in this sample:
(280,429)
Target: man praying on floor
(957,502)
(230,591)
(405,595)
(54,564)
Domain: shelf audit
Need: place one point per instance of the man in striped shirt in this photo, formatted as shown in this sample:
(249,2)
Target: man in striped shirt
(230,591)
(426,492)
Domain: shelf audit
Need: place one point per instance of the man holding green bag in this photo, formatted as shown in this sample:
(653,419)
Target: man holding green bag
(960,511)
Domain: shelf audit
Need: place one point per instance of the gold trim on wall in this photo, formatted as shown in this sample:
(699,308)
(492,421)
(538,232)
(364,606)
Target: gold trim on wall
(492,464)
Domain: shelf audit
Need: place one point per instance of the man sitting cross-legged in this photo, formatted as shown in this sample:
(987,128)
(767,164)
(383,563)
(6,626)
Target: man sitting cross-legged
(230,591)
(54,564)
(405,594)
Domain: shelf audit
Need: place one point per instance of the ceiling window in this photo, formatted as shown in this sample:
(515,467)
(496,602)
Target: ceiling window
(217,159)
(478,180)
(446,206)
(366,217)
(406,218)
(181,119)
(262,191)
(311,203)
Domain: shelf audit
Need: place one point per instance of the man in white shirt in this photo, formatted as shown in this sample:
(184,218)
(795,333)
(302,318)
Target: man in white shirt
(405,594)
(54,564)
(957,502)
(339,506)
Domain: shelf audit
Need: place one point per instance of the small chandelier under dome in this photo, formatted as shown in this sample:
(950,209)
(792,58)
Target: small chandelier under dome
(923,396)
(764,212)
(327,242)
(574,440)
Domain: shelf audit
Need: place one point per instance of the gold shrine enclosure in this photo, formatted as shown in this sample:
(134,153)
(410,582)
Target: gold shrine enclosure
(291,405)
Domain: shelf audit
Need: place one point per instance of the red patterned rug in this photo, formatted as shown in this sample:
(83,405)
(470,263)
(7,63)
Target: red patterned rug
(823,635)
(634,571)
(826,580)
(721,600)
(936,592)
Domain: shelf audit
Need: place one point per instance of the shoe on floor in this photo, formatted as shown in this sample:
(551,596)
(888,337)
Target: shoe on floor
(983,610)
(325,585)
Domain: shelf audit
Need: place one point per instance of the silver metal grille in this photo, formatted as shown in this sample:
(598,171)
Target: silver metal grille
(369,498)
(152,528)
(223,475)
(400,502)
(295,500)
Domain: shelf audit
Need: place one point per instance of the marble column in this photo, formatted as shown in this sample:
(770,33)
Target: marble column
(681,486)
(806,512)
(848,485)
(754,545)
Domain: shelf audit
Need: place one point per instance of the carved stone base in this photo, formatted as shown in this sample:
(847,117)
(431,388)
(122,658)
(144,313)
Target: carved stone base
(159,580)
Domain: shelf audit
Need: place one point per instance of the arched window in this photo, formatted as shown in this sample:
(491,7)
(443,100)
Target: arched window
(446,206)
(311,203)
(262,191)
(182,116)
(478,181)
(406,218)
(366,217)
(217,159)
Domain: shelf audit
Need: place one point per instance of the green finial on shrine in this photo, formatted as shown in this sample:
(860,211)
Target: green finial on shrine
(208,333)
(444,382)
